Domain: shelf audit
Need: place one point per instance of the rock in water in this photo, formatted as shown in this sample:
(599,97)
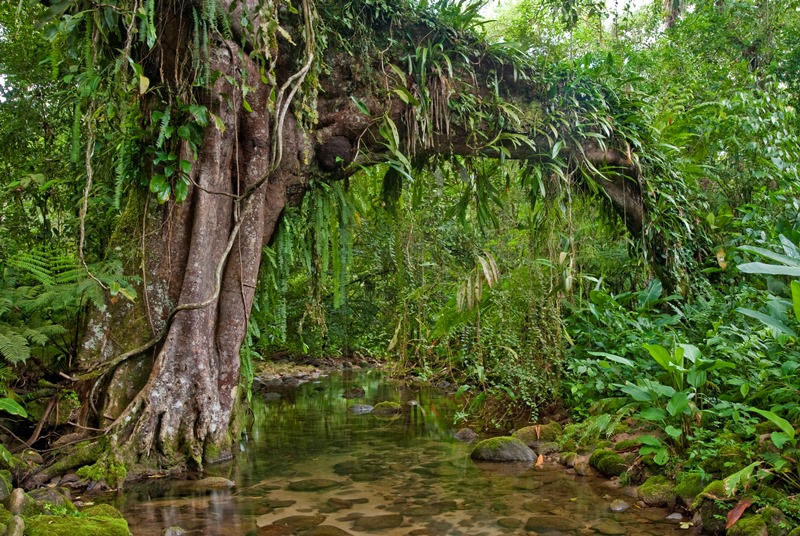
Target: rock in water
(387,521)
(313,484)
(467,435)
(326,530)
(618,505)
(360,409)
(300,522)
(502,449)
(355,392)
(214,482)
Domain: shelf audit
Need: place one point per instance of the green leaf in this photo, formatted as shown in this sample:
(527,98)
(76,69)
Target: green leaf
(769,269)
(768,320)
(653,414)
(615,358)
(738,478)
(780,422)
(779,439)
(678,404)
(6,456)
(360,105)
(11,406)
(406,96)
(673,432)
(660,354)
(650,440)
(181,188)
(662,456)
(796,299)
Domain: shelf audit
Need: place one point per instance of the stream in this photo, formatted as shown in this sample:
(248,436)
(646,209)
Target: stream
(312,466)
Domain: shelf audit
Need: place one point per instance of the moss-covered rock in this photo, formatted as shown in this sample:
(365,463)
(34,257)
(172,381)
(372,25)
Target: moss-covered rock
(502,449)
(627,444)
(75,526)
(52,501)
(102,510)
(658,491)
(689,486)
(749,526)
(567,458)
(728,460)
(775,521)
(6,485)
(611,464)
(5,516)
(539,433)
(714,490)
(607,462)
(569,446)
(795,532)
(386,408)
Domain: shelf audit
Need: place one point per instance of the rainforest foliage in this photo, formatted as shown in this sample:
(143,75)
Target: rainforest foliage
(519,280)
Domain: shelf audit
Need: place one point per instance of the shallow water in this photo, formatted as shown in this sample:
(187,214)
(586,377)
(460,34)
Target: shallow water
(368,467)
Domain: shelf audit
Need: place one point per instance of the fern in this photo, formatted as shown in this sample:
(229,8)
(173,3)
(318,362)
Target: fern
(13,346)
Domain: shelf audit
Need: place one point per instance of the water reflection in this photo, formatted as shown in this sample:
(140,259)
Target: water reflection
(311,466)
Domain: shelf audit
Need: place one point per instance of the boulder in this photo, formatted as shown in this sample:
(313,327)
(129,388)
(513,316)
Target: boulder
(214,482)
(749,526)
(502,449)
(467,435)
(608,463)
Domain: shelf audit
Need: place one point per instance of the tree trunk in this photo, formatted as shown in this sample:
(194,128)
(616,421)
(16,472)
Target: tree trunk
(161,383)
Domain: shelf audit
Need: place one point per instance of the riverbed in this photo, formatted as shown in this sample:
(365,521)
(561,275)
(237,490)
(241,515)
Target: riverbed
(311,465)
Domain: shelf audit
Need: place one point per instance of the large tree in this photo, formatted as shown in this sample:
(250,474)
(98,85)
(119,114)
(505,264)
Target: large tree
(222,111)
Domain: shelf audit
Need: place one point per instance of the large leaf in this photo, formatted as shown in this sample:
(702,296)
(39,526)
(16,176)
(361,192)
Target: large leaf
(768,320)
(769,269)
(780,422)
(777,257)
(615,358)
(653,414)
(11,406)
(678,404)
(796,299)
(660,354)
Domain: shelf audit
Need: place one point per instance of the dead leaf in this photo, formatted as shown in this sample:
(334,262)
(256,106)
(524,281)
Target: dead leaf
(736,513)
(540,461)
(538,429)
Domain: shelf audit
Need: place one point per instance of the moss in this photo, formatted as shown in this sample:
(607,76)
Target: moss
(714,490)
(112,473)
(775,521)
(502,448)
(749,526)
(689,486)
(657,491)
(604,444)
(627,444)
(5,516)
(608,463)
(795,532)
(540,433)
(102,510)
(597,455)
(567,458)
(75,526)
(569,446)
(767,427)
(386,408)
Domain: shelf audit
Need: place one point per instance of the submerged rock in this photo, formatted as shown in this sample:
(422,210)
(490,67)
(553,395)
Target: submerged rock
(386,521)
(326,530)
(214,482)
(618,505)
(360,409)
(550,523)
(300,522)
(355,392)
(313,484)
(502,449)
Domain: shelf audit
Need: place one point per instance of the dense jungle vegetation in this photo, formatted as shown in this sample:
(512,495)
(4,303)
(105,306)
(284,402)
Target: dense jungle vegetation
(468,235)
